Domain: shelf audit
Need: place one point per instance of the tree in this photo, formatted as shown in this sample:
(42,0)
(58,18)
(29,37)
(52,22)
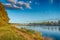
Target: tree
(58,22)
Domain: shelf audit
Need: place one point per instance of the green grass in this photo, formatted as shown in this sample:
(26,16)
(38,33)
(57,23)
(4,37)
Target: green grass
(10,33)
(10,36)
(6,33)
(29,31)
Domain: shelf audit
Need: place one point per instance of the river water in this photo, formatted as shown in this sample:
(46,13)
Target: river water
(47,31)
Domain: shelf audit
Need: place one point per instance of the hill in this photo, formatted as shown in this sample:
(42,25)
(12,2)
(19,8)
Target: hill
(12,33)
(8,32)
(4,19)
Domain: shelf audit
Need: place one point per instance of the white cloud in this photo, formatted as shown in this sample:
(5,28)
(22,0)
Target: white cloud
(12,1)
(18,5)
(8,5)
(27,5)
(15,6)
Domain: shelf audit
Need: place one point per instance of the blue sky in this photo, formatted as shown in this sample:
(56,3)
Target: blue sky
(25,11)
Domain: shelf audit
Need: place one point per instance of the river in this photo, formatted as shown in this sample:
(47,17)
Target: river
(47,31)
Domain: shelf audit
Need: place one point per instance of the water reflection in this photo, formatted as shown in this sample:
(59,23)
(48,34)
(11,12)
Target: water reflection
(44,28)
(47,31)
(56,28)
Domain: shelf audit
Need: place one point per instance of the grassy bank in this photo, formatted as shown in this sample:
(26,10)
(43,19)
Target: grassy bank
(13,33)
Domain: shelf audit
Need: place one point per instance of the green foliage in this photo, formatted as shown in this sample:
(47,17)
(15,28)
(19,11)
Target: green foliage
(10,37)
(6,33)
(29,30)
(58,22)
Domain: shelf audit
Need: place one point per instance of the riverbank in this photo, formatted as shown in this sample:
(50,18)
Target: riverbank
(46,31)
(13,33)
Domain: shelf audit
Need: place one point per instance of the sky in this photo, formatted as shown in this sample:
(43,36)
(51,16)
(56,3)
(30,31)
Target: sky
(25,11)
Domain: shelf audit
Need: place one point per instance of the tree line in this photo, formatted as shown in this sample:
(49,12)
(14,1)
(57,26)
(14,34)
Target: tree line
(48,23)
